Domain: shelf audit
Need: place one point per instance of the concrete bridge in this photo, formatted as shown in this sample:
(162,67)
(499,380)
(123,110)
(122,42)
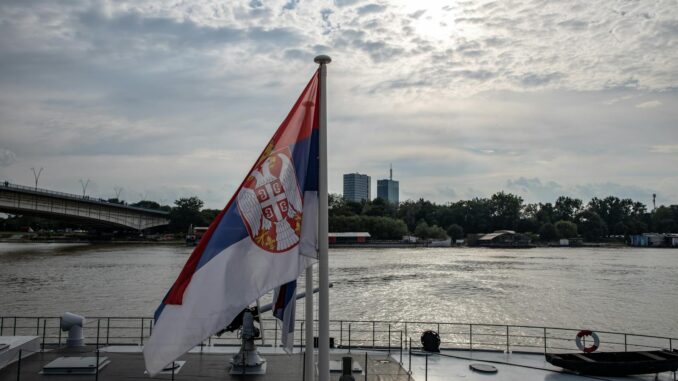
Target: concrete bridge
(19,199)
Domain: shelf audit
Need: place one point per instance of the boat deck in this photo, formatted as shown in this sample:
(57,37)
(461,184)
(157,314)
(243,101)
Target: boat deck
(454,365)
(127,363)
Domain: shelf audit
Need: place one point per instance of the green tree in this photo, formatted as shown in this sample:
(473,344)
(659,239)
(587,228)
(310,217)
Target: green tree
(436,232)
(620,228)
(186,213)
(591,226)
(663,219)
(379,207)
(208,215)
(548,232)
(566,229)
(424,231)
(505,210)
(455,232)
(146,204)
(545,213)
(567,208)
(421,231)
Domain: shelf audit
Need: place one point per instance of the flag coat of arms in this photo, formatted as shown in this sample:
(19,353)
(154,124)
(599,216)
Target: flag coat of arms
(264,238)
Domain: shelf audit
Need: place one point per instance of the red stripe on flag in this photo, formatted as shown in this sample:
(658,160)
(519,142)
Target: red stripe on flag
(282,138)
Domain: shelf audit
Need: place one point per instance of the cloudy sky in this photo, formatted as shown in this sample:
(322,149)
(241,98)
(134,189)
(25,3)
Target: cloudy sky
(168,99)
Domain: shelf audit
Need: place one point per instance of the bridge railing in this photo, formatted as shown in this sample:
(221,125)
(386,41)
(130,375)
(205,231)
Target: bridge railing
(42,191)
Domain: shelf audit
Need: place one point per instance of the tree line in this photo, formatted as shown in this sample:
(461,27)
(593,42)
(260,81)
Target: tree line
(567,217)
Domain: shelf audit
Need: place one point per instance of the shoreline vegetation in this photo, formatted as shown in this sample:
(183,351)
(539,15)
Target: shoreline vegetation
(601,221)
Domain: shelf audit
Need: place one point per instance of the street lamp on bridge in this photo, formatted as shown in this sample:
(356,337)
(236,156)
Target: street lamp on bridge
(36,176)
(84,186)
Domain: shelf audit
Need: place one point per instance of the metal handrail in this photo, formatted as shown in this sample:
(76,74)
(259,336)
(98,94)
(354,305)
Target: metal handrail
(347,334)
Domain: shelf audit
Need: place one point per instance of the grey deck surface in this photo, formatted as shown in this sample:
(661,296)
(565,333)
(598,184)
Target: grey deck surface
(208,366)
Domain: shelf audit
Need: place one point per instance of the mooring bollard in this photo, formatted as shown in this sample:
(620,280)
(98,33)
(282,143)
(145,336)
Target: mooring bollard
(347,369)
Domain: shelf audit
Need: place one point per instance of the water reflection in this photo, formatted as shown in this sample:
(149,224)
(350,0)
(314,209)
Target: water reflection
(624,289)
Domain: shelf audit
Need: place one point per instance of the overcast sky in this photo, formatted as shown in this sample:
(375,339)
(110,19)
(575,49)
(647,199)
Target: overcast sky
(177,98)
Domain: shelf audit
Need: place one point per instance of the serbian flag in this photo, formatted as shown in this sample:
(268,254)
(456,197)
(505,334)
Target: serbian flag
(265,237)
(284,302)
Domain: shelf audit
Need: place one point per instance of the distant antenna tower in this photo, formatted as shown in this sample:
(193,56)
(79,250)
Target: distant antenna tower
(654,200)
(390,176)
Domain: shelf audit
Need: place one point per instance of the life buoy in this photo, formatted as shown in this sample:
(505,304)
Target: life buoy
(592,348)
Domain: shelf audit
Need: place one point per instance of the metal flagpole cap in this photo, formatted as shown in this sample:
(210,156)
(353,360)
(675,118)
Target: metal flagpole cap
(322,59)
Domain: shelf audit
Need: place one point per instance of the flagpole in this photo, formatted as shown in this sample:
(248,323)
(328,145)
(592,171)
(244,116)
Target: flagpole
(323,244)
(309,361)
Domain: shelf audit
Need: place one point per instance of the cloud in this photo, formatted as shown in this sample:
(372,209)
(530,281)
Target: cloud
(538,92)
(533,189)
(291,5)
(345,3)
(532,80)
(370,8)
(7,157)
(649,104)
(417,14)
(665,148)
(600,190)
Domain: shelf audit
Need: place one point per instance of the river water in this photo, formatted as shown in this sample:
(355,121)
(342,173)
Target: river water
(620,289)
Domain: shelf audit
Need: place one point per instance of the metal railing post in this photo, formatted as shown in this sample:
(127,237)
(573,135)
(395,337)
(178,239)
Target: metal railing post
(670,344)
(426,369)
(389,338)
(406,331)
(470,337)
(44,333)
(98,327)
(409,365)
(18,367)
(366,366)
(2,324)
(14,332)
(108,329)
(275,333)
(96,372)
(507,340)
(401,347)
(37,326)
(59,343)
(349,337)
(625,347)
(141,337)
(544,340)
(341,333)
(374,327)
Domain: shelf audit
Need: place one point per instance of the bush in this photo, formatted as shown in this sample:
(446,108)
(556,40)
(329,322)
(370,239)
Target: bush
(566,229)
(548,232)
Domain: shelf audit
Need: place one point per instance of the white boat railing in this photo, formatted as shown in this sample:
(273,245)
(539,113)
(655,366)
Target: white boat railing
(348,334)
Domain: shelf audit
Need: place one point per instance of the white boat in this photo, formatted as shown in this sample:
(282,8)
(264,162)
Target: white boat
(389,350)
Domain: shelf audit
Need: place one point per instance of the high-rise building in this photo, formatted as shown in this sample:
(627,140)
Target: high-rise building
(357,187)
(387,189)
